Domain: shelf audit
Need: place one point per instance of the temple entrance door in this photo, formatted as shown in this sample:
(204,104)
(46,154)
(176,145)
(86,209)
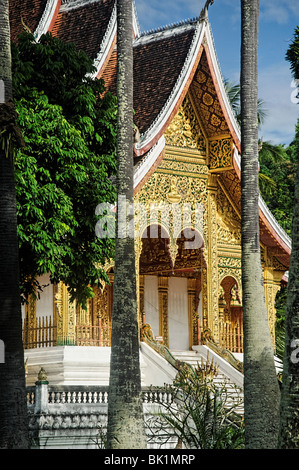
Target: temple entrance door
(178,320)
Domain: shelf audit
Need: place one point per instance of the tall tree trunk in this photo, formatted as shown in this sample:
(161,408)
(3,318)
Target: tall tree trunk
(13,408)
(261,390)
(289,405)
(125,411)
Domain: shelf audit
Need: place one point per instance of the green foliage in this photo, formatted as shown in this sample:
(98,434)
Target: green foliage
(201,415)
(278,164)
(233,93)
(65,169)
(277,167)
(280,305)
(292,54)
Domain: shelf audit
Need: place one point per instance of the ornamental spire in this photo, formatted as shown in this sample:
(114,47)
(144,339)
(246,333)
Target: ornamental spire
(204,12)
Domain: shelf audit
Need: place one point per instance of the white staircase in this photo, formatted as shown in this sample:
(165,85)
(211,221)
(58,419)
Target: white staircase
(227,376)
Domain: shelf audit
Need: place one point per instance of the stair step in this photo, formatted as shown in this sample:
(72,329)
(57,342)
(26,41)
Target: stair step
(221,379)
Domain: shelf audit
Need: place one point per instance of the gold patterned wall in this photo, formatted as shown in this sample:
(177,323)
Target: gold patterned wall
(196,172)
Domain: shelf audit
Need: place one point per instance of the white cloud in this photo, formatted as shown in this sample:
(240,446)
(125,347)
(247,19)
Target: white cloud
(276,88)
(279,11)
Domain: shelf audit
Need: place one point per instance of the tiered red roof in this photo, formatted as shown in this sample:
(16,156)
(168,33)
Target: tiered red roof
(28,12)
(159,59)
(85,25)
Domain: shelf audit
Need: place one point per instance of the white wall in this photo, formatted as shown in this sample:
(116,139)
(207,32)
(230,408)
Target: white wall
(178,322)
(151,303)
(44,305)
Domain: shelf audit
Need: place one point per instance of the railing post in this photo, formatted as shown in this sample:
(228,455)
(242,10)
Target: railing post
(41,393)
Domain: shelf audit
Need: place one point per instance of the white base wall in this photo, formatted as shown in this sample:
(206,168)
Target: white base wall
(88,365)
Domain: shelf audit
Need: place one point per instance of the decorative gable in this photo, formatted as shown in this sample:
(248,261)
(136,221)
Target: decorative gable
(185,130)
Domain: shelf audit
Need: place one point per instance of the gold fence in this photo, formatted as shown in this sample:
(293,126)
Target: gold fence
(41,334)
(87,335)
(231,336)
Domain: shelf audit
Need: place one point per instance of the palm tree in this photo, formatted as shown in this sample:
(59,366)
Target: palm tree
(125,413)
(233,92)
(289,422)
(13,408)
(261,390)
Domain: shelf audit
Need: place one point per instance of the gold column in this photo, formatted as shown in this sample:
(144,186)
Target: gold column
(66,318)
(192,312)
(272,280)
(163,308)
(30,323)
(138,250)
(204,290)
(212,257)
(141,298)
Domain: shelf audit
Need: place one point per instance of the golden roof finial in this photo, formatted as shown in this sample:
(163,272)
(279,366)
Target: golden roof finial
(42,376)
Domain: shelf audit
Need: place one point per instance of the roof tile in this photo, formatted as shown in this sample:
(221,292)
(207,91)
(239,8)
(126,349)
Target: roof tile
(30,11)
(85,26)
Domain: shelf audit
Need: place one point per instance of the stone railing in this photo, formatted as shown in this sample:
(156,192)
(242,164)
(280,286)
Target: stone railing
(75,416)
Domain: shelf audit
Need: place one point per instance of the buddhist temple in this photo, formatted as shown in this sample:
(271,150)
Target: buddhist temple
(187,191)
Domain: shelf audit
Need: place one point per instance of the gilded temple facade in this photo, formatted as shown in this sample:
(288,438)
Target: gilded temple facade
(187,192)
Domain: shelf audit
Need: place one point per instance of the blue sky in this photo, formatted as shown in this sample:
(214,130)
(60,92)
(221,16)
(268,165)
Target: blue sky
(278,20)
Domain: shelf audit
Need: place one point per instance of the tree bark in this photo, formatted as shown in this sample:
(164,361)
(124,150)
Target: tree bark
(13,407)
(125,410)
(289,405)
(261,390)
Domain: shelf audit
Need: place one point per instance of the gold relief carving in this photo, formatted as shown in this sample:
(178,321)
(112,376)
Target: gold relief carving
(154,194)
(204,289)
(66,333)
(103,306)
(215,121)
(193,292)
(229,225)
(208,99)
(209,109)
(173,196)
(30,323)
(155,191)
(201,77)
(141,298)
(189,166)
(173,250)
(163,308)
(58,299)
(71,329)
(272,286)
(212,258)
(184,130)
(221,154)
(138,243)
(229,262)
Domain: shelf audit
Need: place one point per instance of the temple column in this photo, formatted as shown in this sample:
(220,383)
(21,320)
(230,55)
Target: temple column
(192,311)
(163,308)
(30,322)
(141,298)
(66,316)
(212,257)
(138,251)
(272,281)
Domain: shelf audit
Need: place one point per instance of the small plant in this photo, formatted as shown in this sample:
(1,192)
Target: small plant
(201,415)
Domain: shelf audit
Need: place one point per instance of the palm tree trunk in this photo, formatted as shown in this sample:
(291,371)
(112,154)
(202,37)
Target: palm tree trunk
(13,408)
(261,390)
(125,412)
(289,406)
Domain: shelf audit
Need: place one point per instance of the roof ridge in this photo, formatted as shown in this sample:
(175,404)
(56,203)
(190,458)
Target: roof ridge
(169,27)
(71,4)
